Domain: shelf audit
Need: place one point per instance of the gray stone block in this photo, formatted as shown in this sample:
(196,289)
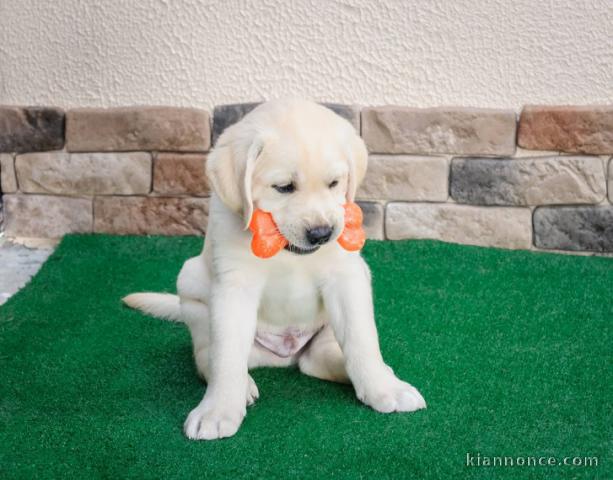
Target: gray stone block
(527,181)
(351,113)
(373,219)
(574,228)
(31,129)
(227,115)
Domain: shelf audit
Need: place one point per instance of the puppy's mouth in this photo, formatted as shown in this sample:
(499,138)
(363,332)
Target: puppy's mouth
(299,250)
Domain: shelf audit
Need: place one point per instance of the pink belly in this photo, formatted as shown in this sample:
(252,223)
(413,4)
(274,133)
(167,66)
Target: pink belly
(287,343)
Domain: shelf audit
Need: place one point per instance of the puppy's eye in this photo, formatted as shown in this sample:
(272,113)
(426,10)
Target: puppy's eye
(333,184)
(287,188)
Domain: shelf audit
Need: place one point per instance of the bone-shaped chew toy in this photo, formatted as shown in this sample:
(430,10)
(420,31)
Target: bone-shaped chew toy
(353,236)
(268,241)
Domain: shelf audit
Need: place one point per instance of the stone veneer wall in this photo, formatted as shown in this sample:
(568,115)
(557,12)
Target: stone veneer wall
(466,175)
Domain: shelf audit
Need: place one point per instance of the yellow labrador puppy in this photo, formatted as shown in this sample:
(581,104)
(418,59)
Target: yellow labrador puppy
(309,305)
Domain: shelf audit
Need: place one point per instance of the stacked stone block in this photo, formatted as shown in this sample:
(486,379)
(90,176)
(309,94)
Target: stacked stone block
(466,175)
(137,170)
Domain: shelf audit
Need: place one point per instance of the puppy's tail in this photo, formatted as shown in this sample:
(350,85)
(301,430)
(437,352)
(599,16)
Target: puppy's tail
(161,305)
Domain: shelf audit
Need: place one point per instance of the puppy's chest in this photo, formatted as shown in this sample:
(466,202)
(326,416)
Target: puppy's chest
(290,314)
(290,300)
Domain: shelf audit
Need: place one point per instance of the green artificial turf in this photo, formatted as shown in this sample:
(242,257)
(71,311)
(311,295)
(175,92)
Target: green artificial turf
(512,351)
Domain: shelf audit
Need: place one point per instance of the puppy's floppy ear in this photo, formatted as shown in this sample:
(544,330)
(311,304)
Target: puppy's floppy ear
(357,156)
(230,169)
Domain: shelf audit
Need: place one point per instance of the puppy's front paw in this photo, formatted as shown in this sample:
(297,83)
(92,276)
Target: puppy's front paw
(209,422)
(392,395)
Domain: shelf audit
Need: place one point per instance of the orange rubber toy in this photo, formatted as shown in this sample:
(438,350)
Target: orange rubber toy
(267,240)
(353,236)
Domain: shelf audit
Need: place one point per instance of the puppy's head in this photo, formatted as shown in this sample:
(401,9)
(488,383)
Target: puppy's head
(295,159)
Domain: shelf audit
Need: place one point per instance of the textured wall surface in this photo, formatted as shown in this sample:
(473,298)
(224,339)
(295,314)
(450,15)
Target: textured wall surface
(486,53)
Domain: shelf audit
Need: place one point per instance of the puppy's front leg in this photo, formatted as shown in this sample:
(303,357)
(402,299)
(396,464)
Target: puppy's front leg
(347,296)
(233,303)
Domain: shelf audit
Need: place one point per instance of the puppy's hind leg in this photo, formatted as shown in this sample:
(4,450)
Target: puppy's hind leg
(195,314)
(323,358)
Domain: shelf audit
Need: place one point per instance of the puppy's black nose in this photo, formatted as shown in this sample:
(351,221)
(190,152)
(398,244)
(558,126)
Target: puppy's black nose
(319,235)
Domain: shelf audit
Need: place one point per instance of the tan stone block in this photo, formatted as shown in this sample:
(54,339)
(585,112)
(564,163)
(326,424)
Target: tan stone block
(459,131)
(180,174)
(47,216)
(8,181)
(572,129)
(403,177)
(138,128)
(488,226)
(524,153)
(85,173)
(151,215)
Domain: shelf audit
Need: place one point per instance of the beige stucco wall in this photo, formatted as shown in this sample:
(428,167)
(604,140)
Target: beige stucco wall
(488,53)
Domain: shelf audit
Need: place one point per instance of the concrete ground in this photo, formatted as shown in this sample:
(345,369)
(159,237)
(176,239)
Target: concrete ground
(20,259)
